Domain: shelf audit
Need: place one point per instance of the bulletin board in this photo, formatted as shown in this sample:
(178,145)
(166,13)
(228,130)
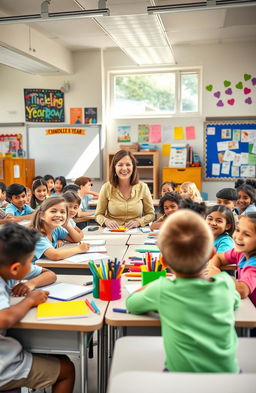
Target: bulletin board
(229,149)
(69,150)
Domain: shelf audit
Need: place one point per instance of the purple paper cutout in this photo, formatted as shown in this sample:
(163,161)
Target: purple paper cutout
(220,103)
(248,100)
(229,91)
(217,94)
(253,81)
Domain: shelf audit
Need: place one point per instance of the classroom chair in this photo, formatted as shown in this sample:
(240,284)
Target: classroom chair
(146,354)
(204,195)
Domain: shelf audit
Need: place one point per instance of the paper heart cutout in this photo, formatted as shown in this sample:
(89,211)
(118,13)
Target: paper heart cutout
(209,87)
(253,81)
(217,94)
(239,85)
(231,102)
(248,100)
(247,90)
(227,83)
(220,103)
(247,77)
(228,91)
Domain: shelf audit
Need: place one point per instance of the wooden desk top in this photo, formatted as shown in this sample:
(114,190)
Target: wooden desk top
(245,316)
(91,323)
(113,251)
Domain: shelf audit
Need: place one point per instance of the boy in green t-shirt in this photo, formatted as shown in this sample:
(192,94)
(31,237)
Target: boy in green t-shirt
(197,314)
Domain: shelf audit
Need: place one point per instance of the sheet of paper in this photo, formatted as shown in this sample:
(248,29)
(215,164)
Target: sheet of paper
(87,257)
(244,135)
(178,133)
(190,132)
(128,232)
(229,155)
(244,158)
(252,136)
(225,169)
(166,148)
(215,169)
(237,160)
(221,146)
(233,145)
(124,134)
(167,133)
(155,133)
(210,130)
(226,133)
(236,135)
(132,287)
(247,171)
(254,148)
(234,171)
(143,133)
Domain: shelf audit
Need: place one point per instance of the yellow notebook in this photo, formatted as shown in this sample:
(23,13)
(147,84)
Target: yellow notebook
(57,310)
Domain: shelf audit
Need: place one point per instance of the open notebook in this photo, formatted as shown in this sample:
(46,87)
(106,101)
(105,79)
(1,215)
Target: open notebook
(57,310)
(66,291)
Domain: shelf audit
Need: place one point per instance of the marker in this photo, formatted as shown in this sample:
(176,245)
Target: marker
(97,310)
(123,310)
(89,305)
(88,283)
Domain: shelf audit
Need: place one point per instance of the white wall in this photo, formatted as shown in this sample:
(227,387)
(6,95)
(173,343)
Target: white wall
(219,63)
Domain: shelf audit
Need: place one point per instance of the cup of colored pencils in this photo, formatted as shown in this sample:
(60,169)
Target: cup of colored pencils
(108,276)
(153,269)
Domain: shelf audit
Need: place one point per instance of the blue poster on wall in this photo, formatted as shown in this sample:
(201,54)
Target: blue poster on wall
(44,105)
(229,150)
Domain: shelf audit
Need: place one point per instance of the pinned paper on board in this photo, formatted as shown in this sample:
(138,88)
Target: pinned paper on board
(236,135)
(143,133)
(220,157)
(233,145)
(167,133)
(226,133)
(221,146)
(124,134)
(244,158)
(210,130)
(251,159)
(166,148)
(244,135)
(178,133)
(155,133)
(247,171)
(237,160)
(225,168)
(234,171)
(190,132)
(229,155)
(215,169)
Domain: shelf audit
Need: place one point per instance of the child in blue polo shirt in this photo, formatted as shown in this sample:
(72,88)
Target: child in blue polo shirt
(20,368)
(16,195)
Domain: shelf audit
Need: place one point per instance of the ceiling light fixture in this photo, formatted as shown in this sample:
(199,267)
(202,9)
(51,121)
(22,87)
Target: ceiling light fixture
(199,6)
(45,16)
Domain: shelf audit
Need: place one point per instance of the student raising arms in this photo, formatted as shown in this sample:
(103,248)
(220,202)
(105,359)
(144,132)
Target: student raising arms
(39,193)
(51,221)
(243,255)
(221,221)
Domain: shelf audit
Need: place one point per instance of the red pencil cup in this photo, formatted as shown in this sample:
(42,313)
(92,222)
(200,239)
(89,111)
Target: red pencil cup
(110,289)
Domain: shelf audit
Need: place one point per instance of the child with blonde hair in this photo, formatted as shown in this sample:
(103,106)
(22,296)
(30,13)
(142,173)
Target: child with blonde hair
(188,189)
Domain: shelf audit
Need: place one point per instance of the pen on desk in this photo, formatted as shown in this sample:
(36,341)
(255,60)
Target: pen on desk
(97,310)
(88,283)
(89,305)
(123,310)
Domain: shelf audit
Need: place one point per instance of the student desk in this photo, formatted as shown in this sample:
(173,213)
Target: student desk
(85,218)
(63,336)
(64,267)
(113,239)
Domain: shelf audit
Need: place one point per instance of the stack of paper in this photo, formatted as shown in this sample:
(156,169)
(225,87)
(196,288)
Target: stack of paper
(66,291)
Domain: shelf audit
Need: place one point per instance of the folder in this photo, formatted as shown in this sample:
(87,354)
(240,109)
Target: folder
(66,291)
(57,310)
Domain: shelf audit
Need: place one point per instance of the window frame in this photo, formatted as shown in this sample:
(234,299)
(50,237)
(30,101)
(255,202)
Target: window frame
(178,73)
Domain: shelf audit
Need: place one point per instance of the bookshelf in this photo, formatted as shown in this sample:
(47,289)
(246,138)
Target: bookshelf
(148,169)
(180,175)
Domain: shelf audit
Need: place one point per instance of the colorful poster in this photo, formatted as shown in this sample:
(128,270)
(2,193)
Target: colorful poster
(90,115)
(166,148)
(190,132)
(222,146)
(210,130)
(155,133)
(226,133)
(235,171)
(244,158)
(178,133)
(143,133)
(247,171)
(44,105)
(229,155)
(225,169)
(252,159)
(76,115)
(244,135)
(237,160)
(124,134)
(233,145)
(236,135)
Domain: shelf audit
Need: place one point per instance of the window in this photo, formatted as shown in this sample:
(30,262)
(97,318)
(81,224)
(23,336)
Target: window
(155,93)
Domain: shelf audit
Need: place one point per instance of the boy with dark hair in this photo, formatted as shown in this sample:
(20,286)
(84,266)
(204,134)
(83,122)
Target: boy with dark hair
(16,194)
(18,367)
(197,314)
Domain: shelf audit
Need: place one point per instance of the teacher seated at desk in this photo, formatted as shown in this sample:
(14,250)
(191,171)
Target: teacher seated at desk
(124,200)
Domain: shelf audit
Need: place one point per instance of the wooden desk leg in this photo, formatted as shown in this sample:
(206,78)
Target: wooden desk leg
(83,362)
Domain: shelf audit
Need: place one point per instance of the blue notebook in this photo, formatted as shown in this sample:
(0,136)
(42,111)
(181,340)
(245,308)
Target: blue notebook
(66,291)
